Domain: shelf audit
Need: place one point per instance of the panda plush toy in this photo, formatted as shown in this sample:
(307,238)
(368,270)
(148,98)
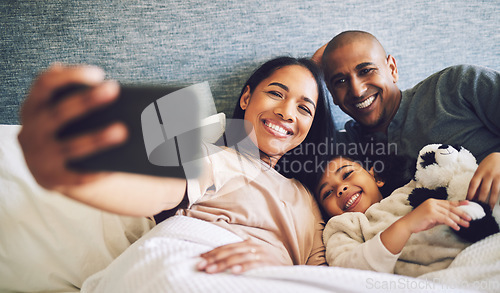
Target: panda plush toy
(444,172)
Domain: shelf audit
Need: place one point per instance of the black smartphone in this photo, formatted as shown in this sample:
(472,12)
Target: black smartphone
(163,124)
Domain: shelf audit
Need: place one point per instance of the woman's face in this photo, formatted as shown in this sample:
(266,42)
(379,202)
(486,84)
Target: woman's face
(281,110)
(347,187)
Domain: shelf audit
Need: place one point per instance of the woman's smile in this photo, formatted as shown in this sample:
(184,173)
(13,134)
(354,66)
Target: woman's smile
(277,129)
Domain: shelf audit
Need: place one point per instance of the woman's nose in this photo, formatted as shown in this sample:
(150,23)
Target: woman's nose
(285,110)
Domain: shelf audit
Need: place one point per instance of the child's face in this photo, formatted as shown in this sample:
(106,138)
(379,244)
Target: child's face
(281,109)
(347,187)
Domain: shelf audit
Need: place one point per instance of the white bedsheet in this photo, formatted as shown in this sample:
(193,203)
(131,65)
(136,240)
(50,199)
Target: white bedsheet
(164,260)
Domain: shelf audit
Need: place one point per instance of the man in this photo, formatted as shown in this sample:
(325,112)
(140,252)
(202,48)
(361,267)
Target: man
(459,105)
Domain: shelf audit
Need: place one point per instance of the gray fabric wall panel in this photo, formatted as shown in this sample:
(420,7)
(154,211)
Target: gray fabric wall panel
(181,42)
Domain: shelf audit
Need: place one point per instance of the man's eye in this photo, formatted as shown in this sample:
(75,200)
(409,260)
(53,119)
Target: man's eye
(346,174)
(340,81)
(366,70)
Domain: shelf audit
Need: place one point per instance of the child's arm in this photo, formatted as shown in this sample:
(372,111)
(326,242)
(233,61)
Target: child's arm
(429,214)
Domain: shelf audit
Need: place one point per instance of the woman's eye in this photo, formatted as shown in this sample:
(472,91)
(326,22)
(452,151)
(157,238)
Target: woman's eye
(305,109)
(276,94)
(346,174)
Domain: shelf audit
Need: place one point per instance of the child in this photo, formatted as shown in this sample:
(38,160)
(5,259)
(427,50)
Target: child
(368,231)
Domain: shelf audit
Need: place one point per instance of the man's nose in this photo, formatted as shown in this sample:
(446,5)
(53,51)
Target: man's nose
(357,87)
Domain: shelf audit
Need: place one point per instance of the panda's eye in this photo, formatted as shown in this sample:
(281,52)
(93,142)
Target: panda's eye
(428,158)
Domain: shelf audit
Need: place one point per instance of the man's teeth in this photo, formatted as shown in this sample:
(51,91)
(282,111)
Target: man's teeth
(276,128)
(351,201)
(365,103)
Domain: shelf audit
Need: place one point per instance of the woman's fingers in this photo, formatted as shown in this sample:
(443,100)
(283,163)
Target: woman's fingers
(83,102)
(95,141)
(55,77)
(237,257)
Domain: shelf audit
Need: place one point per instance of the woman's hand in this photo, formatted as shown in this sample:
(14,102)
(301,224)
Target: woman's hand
(238,257)
(485,184)
(45,155)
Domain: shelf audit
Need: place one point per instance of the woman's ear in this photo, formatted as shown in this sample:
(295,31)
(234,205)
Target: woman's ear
(378,181)
(245,98)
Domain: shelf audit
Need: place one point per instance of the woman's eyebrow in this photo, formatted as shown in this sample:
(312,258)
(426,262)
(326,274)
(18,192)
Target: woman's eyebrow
(280,85)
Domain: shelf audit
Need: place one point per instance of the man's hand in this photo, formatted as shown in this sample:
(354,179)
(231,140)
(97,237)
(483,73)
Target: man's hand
(485,184)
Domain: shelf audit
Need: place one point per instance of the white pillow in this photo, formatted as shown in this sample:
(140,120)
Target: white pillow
(49,242)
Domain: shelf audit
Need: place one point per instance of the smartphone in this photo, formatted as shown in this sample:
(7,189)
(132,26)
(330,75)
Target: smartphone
(163,124)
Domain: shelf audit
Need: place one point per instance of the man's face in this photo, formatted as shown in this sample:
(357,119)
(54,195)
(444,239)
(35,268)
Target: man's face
(362,81)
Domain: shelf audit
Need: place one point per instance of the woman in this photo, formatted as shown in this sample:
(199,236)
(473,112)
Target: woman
(282,101)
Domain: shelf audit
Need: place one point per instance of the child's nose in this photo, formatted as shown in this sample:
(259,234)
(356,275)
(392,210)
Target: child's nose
(341,190)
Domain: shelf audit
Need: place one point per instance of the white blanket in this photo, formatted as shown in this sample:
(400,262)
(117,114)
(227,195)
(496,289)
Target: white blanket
(477,267)
(164,260)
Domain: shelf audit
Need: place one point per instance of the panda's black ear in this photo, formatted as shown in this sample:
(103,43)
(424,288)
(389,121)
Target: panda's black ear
(428,158)
(457,146)
(421,194)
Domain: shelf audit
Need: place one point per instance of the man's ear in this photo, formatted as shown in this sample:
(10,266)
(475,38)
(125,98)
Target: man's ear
(378,181)
(318,55)
(245,98)
(391,62)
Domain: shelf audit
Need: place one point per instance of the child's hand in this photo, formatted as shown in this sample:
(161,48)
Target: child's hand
(433,212)
(238,257)
(485,184)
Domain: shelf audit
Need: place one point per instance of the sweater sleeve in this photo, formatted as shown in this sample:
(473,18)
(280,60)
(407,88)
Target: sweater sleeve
(317,256)
(347,248)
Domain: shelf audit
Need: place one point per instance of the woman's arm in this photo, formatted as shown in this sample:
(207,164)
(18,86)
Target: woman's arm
(46,156)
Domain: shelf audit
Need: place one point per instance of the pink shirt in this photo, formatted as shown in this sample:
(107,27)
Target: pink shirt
(247,197)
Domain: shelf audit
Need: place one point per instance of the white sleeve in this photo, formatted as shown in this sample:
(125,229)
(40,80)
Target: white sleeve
(344,251)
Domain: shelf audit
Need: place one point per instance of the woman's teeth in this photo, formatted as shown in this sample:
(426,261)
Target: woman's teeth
(351,201)
(276,128)
(365,103)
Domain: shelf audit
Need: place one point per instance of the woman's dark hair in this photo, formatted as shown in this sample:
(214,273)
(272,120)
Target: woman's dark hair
(293,163)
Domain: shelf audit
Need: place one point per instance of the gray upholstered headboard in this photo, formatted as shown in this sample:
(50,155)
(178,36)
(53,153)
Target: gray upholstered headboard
(180,42)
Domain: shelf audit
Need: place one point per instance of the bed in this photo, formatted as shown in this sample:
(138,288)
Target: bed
(49,243)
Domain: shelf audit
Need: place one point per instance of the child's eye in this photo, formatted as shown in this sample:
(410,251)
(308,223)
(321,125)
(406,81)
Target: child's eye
(327,194)
(346,174)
